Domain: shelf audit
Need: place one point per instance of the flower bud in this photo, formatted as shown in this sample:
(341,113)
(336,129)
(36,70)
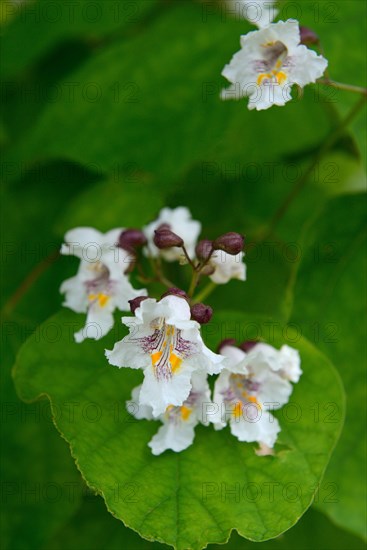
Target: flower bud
(207,270)
(308,36)
(248,345)
(201,313)
(165,238)
(131,239)
(226,342)
(135,302)
(232,243)
(175,292)
(204,249)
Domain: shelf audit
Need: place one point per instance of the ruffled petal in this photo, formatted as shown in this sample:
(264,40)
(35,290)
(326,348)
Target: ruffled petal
(159,394)
(265,429)
(176,437)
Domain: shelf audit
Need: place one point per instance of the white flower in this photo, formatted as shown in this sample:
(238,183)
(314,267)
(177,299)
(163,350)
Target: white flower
(99,287)
(180,222)
(286,361)
(227,267)
(250,385)
(167,345)
(92,246)
(179,422)
(259,12)
(270,61)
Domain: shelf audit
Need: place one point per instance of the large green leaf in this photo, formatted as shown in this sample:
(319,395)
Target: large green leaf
(341,26)
(156,104)
(92,526)
(182,499)
(38,26)
(40,486)
(329,307)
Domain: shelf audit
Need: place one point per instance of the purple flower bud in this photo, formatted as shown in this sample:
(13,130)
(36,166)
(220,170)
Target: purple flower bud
(248,345)
(164,226)
(135,302)
(131,239)
(201,313)
(165,238)
(175,292)
(204,249)
(232,243)
(226,342)
(308,36)
(207,270)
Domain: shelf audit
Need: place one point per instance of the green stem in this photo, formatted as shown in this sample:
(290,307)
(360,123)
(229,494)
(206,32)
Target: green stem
(342,86)
(193,284)
(297,188)
(188,257)
(156,267)
(205,292)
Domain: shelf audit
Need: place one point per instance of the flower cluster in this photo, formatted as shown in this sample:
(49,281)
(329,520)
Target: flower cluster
(271,60)
(164,339)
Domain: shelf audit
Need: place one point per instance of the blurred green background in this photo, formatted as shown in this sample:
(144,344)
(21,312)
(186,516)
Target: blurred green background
(110,109)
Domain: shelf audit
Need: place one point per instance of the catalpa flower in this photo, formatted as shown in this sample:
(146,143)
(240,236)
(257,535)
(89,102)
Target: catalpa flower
(227,267)
(99,287)
(94,247)
(166,344)
(286,361)
(179,221)
(259,12)
(250,385)
(179,422)
(270,61)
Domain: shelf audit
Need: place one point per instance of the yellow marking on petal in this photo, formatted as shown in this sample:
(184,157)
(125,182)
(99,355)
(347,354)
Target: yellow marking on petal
(175,362)
(262,77)
(253,399)
(278,64)
(155,357)
(185,412)
(103,299)
(237,410)
(281,77)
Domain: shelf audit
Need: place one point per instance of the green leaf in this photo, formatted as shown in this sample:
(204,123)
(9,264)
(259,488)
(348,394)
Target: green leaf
(156,104)
(40,26)
(342,28)
(114,203)
(329,306)
(92,526)
(40,487)
(183,499)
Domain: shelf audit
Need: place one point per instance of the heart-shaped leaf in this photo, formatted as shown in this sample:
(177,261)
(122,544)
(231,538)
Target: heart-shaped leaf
(198,496)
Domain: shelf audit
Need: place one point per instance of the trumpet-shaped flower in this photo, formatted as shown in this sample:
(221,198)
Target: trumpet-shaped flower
(227,267)
(166,344)
(286,361)
(92,246)
(179,422)
(250,385)
(94,291)
(100,285)
(270,61)
(179,221)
